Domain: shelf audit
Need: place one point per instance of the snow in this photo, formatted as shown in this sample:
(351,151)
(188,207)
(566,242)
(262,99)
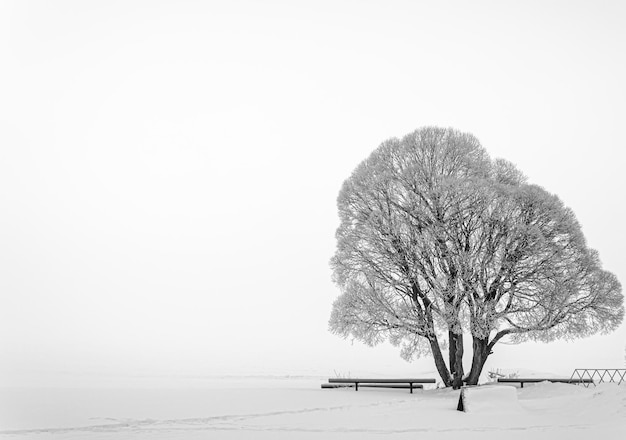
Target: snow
(490,399)
(297,408)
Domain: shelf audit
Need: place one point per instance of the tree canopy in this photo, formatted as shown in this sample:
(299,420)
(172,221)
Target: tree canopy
(437,241)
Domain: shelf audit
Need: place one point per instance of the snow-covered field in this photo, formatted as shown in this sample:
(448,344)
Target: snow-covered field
(296,408)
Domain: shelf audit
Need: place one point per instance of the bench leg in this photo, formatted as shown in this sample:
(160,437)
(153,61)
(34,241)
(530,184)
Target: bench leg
(356,386)
(522,384)
(411,387)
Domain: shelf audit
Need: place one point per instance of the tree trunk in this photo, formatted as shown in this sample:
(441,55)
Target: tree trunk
(440,362)
(455,351)
(481,352)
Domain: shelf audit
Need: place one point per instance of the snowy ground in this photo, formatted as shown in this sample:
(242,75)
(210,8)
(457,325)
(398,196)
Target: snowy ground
(296,408)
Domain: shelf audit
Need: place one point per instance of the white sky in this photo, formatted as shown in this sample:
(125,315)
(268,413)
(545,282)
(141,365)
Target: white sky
(169,169)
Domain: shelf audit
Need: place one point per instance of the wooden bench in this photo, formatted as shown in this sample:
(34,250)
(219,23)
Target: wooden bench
(378,383)
(372,385)
(522,380)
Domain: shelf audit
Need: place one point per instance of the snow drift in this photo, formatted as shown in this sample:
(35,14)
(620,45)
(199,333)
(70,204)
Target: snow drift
(488,399)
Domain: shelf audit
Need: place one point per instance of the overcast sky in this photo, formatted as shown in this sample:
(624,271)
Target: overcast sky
(169,169)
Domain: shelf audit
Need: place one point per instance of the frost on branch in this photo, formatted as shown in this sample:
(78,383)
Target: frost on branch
(374,315)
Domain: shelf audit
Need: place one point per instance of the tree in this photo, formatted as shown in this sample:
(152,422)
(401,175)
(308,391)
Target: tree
(437,240)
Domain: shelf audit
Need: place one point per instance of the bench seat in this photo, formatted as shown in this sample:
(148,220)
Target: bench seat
(372,385)
(378,383)
(523,380)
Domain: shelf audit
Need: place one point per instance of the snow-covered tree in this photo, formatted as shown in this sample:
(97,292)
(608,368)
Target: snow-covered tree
(437,240)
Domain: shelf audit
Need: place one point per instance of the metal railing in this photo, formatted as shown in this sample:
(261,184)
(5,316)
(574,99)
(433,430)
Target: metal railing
(600,375)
